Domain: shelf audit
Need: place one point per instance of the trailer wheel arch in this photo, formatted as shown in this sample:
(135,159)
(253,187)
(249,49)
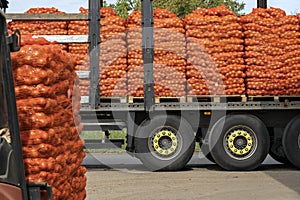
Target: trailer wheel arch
(224,134)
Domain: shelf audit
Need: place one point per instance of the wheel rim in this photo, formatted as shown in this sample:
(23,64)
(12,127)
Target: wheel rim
(240,142)
(165,143)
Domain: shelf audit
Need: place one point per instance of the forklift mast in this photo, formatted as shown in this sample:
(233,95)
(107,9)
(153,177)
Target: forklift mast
(13,183)
(11,166)
(4,5)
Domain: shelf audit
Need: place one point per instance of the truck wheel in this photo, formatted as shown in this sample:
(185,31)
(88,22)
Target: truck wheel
(239,142)
(165,143)
(291,141)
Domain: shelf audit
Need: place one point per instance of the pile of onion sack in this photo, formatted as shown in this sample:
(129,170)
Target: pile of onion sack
(40,27)
(169,55)
(272,52)
(113,55)
(48,103)
(79,50)
(113,52)
(215,52)
(80,53)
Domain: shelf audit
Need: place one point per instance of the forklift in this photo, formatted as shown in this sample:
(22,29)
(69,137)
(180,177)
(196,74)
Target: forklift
(13,185)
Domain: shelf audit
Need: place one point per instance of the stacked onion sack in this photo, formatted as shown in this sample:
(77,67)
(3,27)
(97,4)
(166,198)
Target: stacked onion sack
(79,50)
(290,42)
(41,27)
(272,52)
(80,54)
(215,52)
(169,59)
(113,53)
(48,103)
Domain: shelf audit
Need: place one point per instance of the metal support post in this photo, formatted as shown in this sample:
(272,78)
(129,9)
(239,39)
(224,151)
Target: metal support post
(262,3)
(148,53)
(94,52)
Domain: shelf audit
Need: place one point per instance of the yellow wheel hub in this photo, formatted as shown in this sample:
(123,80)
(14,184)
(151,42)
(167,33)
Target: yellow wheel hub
(165,142)
(240,142)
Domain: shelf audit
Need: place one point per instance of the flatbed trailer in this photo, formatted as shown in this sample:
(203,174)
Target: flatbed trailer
(236,132)
(275,116)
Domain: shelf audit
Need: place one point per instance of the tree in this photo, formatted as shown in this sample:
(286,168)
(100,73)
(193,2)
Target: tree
(182,8)
(179,7)
(135,4)
(123,7)
(105,5)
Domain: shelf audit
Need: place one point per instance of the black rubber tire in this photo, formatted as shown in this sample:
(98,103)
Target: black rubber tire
(183,155)
(290,141)
(218,152)
(210,158)
(206,152)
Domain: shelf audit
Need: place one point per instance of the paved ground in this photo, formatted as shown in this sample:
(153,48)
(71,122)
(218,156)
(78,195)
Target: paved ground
(124,160)
(122,177)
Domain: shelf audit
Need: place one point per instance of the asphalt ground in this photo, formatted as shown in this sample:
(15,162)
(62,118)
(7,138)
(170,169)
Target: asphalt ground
(120,176)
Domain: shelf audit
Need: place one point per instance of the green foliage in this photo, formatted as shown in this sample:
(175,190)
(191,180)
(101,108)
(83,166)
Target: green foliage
(135,4)
(124,7)
(182,8)
(179,7)
(108,5)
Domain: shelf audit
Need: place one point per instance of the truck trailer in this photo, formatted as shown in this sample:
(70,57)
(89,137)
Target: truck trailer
(236,132)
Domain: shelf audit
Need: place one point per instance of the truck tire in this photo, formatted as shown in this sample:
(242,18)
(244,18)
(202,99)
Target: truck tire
(164,143)
(210,158)
(291,141)
(206,152)
(239,142)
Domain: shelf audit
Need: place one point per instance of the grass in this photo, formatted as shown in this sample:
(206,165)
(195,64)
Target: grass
(99,135)
(86,135)
(197,147)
